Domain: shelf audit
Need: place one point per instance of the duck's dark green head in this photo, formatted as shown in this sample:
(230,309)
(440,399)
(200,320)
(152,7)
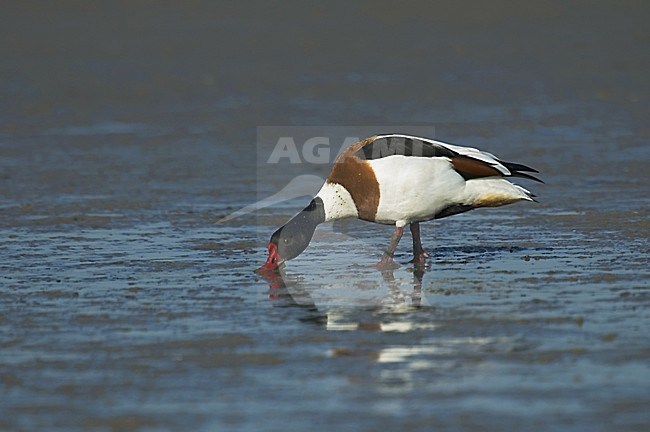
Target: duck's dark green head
(292,239)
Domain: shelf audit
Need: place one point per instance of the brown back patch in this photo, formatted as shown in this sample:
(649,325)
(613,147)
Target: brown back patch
(471,168)
(359,179)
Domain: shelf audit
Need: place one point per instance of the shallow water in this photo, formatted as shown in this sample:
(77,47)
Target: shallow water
(125,304)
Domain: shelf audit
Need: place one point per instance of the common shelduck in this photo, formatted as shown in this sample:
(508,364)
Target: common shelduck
(401,180)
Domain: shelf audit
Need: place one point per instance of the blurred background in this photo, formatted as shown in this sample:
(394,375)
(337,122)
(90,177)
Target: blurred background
(233,66)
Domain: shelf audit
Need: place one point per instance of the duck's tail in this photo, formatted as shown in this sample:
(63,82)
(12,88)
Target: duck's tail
(494,192)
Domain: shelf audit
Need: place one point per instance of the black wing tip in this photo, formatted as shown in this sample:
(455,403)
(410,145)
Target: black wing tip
(512,166)
(526,176)
(520,170)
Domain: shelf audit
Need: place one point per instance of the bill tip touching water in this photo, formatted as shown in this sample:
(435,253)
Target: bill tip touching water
(401,180)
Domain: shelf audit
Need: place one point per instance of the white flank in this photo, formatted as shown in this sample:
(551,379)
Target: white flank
(337,201)
(414,189)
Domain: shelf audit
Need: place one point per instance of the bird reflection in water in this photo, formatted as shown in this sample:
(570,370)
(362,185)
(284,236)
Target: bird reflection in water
(395,312)
(397,296)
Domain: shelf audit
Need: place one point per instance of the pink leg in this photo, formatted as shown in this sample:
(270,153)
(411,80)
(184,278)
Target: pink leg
(419,255)
(387,258)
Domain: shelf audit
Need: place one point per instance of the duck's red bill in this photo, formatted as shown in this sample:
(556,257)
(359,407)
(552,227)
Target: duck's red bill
(273,262)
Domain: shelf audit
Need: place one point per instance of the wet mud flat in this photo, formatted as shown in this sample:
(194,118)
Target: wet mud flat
(125,304)
(133,308)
